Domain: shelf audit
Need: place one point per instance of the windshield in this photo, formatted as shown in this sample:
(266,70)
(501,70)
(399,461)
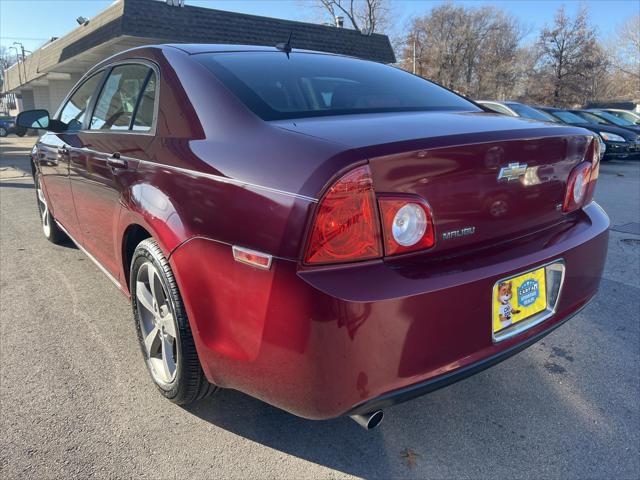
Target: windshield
(530,112)
(569,117)
(621,122)
(276,87)
(634,119)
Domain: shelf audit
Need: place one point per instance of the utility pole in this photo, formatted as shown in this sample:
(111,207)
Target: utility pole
(416,39)
(24,67)
(414,54)
(17,63)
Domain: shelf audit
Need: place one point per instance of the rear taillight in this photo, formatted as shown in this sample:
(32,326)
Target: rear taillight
(577,187)
(582,181)
(407,224)
(346,226)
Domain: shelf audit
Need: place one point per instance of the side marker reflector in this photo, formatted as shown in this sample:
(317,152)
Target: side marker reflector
(251,257)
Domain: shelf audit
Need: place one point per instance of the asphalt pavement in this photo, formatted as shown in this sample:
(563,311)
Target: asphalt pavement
(77,402)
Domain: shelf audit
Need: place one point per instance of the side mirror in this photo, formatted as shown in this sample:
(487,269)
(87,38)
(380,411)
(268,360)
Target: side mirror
(38,119)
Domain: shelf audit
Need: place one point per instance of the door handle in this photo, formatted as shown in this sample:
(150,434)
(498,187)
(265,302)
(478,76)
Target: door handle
(114,161)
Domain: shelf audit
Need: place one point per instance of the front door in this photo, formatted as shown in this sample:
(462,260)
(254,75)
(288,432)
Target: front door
(57,151)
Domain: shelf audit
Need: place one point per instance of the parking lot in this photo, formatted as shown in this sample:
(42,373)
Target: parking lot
(76,400)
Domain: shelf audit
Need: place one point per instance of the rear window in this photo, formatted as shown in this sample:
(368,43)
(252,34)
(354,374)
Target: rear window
(306,85)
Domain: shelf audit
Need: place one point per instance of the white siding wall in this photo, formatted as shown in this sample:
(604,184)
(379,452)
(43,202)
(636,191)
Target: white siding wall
(58,90)
(41,98)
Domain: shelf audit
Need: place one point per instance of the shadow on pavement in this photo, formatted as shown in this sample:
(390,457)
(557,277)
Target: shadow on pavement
(15,185)
(329,443)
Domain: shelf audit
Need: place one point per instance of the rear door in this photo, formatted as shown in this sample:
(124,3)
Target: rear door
(119,133)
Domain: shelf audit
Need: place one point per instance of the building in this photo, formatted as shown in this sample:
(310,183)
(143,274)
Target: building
(45,77)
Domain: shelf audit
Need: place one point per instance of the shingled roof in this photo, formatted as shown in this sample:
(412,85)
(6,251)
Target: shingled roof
(129,23)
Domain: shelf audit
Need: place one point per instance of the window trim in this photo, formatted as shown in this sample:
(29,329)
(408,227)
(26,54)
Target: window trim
(106,71)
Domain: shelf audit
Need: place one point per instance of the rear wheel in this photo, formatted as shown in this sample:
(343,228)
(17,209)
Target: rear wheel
(163,328)
(49,226)
(3,132)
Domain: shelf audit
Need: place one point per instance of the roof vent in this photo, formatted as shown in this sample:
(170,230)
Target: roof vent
(339,22)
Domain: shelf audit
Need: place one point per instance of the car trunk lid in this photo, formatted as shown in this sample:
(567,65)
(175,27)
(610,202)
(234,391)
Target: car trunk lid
(488,178)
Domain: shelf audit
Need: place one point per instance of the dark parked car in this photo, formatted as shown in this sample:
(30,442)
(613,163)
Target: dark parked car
(610,119)
(327,234)
(8,126)
(620,142)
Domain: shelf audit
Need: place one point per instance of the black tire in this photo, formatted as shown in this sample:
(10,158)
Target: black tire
(50,228)
(189,383)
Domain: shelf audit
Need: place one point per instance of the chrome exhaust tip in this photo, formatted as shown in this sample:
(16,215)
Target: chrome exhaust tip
(370,420)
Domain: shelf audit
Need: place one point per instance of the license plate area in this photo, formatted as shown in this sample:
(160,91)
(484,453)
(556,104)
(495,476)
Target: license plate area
(526,299)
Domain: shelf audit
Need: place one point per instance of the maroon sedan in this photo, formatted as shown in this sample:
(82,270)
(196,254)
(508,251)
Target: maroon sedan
(327,234)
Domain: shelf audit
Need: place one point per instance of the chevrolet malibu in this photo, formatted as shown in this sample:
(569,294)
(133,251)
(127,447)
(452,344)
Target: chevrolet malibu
(327,234)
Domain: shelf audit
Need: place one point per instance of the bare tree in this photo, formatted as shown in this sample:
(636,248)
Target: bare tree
(471,50)
(624,79)
(365,16)
(568,58)
(6,60)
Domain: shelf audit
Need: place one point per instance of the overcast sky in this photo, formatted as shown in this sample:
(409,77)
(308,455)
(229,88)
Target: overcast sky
(32,22)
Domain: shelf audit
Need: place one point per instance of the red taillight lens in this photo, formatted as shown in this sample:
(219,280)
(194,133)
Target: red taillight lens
(595,171)
(577,187)
(582,180)
(346,226)
(407,224)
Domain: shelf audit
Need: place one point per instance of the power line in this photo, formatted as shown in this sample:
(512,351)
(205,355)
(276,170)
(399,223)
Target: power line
(2,37)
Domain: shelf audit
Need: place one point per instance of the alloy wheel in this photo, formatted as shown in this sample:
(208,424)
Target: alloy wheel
(157,324)
(43,209)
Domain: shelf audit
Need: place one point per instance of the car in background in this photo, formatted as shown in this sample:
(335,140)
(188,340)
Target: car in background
(620,142)
(515,109)
(610,119)
(624,114)
(8,125)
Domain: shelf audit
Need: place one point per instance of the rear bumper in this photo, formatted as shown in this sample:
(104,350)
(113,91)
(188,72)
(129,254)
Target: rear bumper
(325,342)
(417,390)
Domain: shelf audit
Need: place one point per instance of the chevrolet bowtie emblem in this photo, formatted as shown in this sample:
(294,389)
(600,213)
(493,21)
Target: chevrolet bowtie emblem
(513,171)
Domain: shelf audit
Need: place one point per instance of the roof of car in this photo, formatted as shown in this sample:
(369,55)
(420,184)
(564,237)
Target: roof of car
(196,48)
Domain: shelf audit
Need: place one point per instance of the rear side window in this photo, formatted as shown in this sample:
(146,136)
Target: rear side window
(119,97)
(146,107)
(74,111)
(276,87)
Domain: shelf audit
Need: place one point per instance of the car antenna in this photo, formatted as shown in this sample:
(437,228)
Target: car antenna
(286,47)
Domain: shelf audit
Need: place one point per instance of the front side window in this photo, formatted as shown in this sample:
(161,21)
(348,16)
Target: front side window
(74,111)
(569,117)
(119,96)
(276,86)
(591,118)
